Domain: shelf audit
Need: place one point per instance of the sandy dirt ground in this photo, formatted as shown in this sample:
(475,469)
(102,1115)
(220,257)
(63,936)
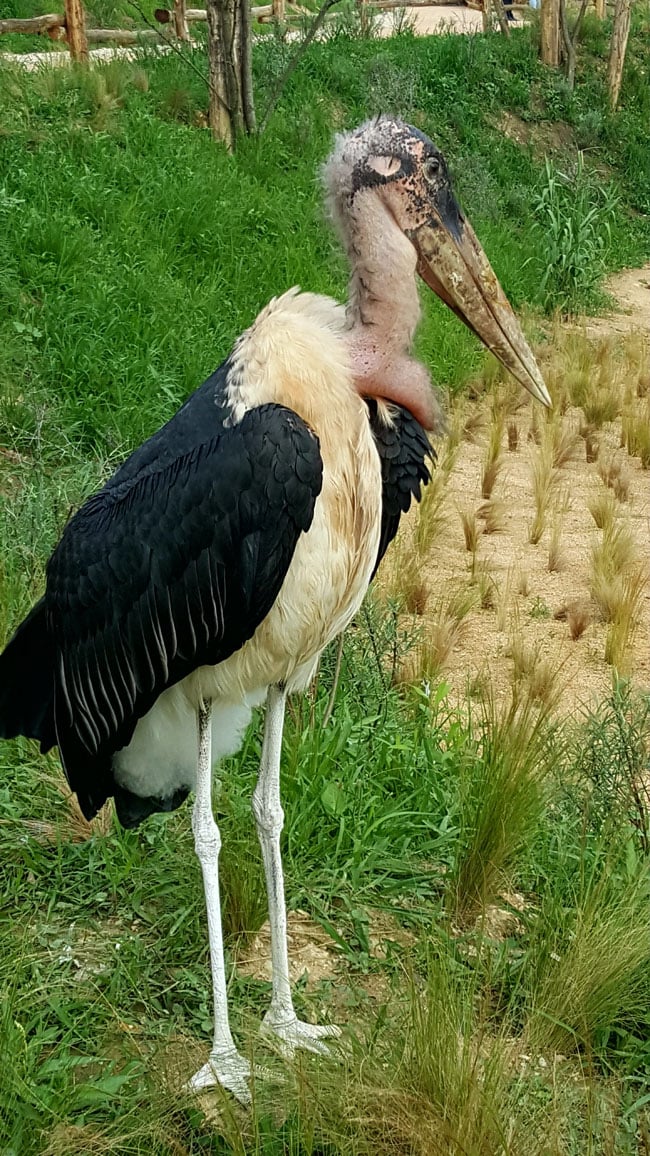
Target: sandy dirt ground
(631,293)
(433,20)
(527,595)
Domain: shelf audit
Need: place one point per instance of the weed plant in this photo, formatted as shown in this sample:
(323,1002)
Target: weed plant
(575,213)
(501,800)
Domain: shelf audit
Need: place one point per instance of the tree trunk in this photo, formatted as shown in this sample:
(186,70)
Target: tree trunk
(502,18)
(600,9)
(550,32)
(75,27)
(569,42)
(230,75)
(620,33)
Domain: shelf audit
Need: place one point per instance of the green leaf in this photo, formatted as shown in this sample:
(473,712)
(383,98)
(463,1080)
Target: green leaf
(334,799)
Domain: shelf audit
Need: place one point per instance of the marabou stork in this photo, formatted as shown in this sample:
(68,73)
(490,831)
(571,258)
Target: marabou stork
(213,568)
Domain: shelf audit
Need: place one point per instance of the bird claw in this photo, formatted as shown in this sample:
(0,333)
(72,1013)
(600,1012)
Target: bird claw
(229,1069)
(295,1033)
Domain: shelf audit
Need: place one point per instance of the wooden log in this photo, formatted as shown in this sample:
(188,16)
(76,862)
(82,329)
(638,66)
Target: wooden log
(75,28)
(620,33)
(121,35)
(35,25)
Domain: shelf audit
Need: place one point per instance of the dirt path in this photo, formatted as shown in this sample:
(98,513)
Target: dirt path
(631,293)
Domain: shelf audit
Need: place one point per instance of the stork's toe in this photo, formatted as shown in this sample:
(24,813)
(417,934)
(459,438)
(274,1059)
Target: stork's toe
(229,1069)
(295,1033)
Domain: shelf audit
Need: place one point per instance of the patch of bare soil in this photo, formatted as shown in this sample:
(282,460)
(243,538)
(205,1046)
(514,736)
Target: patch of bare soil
(630,291)
(544,136)
(313,954)
(525,587)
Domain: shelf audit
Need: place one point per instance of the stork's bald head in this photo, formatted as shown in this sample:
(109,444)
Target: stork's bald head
(405,175)
(396,162)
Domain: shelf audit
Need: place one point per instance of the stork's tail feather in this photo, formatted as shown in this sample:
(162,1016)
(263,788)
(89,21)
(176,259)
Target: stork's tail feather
(27,682)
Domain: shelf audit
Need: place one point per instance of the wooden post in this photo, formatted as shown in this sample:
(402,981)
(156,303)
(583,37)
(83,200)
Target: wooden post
(600,9)
(620,33)
(486,15)
(181,27)
(279,10)
(75,26)
(550,32)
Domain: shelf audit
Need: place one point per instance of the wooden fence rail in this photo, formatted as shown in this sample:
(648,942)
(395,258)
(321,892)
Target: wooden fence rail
(70,25)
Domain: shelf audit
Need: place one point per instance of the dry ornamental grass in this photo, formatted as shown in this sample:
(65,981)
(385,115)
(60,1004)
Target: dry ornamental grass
(585,591)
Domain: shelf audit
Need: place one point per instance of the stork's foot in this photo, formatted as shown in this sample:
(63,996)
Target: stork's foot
(229,1069)
(294,1033)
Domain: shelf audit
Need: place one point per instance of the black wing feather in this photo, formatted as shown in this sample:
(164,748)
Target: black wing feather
(403,448)
(171,566)
(167,570)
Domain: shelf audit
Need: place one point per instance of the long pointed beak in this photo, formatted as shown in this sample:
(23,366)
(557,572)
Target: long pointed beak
(452,263)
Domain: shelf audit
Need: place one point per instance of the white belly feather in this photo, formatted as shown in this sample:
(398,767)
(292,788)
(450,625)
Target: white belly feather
(294,354)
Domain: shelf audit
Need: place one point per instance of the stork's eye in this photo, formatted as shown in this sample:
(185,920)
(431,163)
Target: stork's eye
(431,169)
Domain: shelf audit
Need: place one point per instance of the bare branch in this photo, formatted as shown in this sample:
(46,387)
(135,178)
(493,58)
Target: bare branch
(295,60)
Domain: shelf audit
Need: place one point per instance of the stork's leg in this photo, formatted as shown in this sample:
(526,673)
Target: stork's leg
(280,1019)
(225,1065)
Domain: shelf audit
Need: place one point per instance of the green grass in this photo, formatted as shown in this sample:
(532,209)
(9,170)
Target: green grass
(104,975)
(132,253)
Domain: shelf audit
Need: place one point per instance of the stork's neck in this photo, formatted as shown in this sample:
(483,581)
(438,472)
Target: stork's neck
(383,313)
(383,290)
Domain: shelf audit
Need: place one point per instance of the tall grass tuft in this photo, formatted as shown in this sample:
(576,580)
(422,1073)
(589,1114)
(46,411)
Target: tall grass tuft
(469,523)
(544,483)
(616,476)
(444,631)
(618,582)
(591,959)
(625,621)
(431,518)
(502,798)
(635,434)
(602,507)
(574,212)
(536,677)
(492,464)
